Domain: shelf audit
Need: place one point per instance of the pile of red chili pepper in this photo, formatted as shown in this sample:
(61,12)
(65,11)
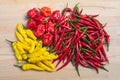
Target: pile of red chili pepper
(76,37)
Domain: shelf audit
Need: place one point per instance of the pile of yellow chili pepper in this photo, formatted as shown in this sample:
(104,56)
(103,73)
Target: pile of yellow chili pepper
(30,53)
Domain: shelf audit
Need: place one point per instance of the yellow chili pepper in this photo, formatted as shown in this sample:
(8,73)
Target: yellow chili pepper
(26,47)
(32,48)
(17,53)
(24,56)
(49,63)
(20,48)
(37,59)
(37,53)
(40,64)
(19,36)
(53,56)
(28,66)
(46,54)
(21,30)
(38,46)
(30,41)
(30,34)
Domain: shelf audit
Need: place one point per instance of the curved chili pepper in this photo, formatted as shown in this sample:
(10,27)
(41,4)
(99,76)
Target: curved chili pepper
(68,60)
(101,43)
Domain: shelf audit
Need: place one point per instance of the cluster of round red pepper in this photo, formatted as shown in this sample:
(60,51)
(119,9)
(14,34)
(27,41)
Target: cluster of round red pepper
(39,21)
(77,38)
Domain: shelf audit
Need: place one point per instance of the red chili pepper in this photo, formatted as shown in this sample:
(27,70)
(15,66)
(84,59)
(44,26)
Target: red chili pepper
(66,48)
(31,24)
(45,11)
(101,43)
(40,30)
(55,37)
(77,56)
(86,23)
(104,54)
(32,13)
(93,65)
(50,26)
(67,26)
(55,15)
(59,56)
(66,10)
(64,54)
(47,39)
(68,60)
(59,41)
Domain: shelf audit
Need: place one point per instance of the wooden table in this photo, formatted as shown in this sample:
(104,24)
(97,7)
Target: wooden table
(13,11)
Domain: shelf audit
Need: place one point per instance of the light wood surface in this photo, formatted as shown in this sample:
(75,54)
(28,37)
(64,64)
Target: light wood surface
(13,11)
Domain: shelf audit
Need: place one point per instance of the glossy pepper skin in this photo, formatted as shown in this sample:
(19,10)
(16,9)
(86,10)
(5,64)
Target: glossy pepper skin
(38,46)
(55,15)
(38,52)
(20,38)
(40,31)
(31,24)
(39,19)
(31,51)
(50,26)
(32,13)
(20,48)
(49,63)
(30,34)
(25,47)
(21,30)
(17,53)
(28,66)
(47,39)
(40,64)
(38,59)
(45,11)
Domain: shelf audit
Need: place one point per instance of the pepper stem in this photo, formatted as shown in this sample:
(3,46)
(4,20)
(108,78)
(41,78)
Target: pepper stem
(9,41)
(18,66)
(101,67)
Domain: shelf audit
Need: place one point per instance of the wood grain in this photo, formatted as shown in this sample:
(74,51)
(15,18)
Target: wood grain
(13,11)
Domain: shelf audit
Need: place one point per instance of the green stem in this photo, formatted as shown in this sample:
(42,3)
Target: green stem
(101,67)
(18,66)
(9,41)
(107,46)
(73,63)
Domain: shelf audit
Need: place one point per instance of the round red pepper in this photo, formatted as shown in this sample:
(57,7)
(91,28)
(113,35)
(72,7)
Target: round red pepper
(40,31)
(39,19)
(55,15)
(32,13)
(31,24)
(45,11)
(47,39)
(50,26)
